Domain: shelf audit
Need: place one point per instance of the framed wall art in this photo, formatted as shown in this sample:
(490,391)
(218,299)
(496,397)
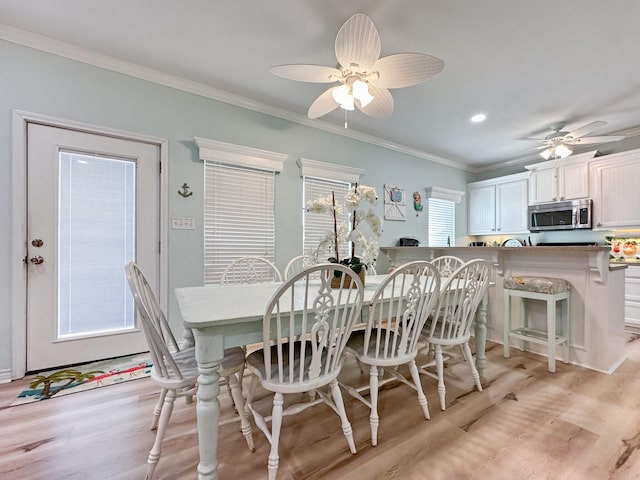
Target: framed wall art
(395,205)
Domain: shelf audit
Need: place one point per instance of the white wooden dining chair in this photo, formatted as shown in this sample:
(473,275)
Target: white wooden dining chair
(460,295)
(174,370)
(297,264)
(250,270)
(447,264)
(312,322)
(397,312)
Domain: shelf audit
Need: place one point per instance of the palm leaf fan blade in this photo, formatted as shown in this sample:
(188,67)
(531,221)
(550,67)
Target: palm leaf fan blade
(307,73)
(358,43)
(382,104)
(600,139)
(406,69)
(586,129)
(324,104)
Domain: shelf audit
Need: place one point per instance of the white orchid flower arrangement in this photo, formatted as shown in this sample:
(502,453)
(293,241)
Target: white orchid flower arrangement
(359,201)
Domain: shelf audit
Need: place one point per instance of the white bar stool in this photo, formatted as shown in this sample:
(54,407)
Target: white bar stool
(551,290)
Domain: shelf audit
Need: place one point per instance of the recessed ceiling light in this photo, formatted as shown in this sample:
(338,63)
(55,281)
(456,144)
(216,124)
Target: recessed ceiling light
(478,117)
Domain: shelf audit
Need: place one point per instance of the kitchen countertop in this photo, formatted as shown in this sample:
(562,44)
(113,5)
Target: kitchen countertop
(618,265)
(596,256)
(551,248)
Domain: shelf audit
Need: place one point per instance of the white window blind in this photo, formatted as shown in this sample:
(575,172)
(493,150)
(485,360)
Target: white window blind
(318,225)
(441,212)
(441,223)
(239,216)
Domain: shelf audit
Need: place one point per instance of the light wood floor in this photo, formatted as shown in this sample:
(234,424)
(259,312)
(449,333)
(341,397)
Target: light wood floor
(526,424)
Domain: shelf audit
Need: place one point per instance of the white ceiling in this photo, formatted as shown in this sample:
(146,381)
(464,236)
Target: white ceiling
(525,64)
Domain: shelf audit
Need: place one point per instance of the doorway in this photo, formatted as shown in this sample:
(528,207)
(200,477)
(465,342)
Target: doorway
(92,204)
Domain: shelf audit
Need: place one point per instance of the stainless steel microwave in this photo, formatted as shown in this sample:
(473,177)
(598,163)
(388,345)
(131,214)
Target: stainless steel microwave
(569,215)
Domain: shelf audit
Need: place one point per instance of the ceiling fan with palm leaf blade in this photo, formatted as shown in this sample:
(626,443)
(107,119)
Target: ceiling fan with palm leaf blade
(363,78)
(557,144)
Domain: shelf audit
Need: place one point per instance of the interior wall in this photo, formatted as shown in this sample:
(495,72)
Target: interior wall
(46,84)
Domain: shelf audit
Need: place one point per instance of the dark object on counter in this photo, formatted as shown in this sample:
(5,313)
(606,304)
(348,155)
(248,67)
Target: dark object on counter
(568,244)
(530,244)
(408,242)
(478,244)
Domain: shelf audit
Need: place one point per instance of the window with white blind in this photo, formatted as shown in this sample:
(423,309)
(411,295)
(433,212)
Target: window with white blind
(239,205)
(441,213)
(317,225)
(441,223)
(319,180)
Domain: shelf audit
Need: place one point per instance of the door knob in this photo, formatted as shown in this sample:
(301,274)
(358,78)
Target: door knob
(37,260)
(36,242)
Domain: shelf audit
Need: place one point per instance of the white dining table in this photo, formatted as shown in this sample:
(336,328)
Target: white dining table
(223,316)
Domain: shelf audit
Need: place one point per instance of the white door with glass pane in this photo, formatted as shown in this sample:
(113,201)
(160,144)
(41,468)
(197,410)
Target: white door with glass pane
(92,206)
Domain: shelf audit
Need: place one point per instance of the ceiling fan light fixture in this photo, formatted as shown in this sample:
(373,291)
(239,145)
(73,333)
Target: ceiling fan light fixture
(348,103)
(340,94)
(361,92)
(546,154)
(357,49)
(563,151)
(557,151)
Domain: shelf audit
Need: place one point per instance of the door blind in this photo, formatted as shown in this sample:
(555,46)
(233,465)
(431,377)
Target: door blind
(239,217)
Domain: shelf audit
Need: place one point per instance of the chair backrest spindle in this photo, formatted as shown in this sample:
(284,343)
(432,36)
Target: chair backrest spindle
(447,264)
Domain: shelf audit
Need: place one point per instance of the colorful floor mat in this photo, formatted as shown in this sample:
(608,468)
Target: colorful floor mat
(60,382)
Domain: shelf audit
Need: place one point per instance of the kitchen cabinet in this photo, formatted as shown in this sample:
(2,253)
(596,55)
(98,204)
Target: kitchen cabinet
(498,206)
(632,296)
(615,192)
(561,179)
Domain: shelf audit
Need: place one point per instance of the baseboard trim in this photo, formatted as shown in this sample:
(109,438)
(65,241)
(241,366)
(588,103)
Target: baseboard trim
(5,376)
(631,328)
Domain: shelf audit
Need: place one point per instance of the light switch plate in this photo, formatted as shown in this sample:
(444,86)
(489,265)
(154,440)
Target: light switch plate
(183,223)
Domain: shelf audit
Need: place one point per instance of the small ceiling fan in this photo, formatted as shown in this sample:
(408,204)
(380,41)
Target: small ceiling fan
(557,143)
(362,78)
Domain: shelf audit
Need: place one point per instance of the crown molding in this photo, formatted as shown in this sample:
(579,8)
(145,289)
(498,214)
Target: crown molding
(90,57)
(630,132)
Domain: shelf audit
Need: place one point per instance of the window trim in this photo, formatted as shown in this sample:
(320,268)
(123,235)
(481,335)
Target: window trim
(444,194)
(329,171)
(238,155)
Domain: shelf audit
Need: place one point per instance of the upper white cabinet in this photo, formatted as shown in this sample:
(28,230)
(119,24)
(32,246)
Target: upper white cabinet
(498,205)
(562,179)
(615,192)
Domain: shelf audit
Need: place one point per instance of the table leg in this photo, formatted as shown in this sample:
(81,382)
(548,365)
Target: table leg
(209,353)
(481,333)
(189,341)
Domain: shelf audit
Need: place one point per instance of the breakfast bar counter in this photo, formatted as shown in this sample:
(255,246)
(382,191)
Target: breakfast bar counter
(597,294)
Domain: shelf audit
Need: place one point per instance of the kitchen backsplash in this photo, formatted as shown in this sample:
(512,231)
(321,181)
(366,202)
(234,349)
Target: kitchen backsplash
(623,249)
